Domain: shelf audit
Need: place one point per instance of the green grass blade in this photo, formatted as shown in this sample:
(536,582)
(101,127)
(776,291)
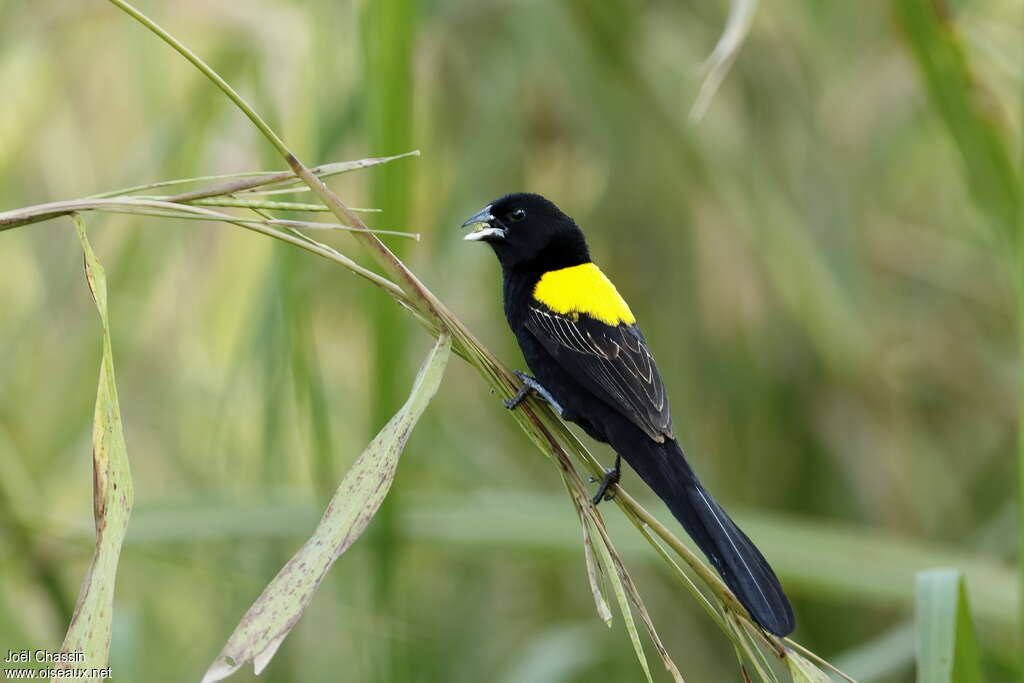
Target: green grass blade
(253,182)
(277,610)
(89,632)
(1020,399)
(622,581)
(749,650)
(388,36)
(595,575)
(611,571)
(936,47)
(261,204)
(803,670)
(1020,391)
(947,648)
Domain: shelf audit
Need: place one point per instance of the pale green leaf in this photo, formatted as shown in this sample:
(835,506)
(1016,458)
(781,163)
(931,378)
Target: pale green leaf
(279,607)
(626,592)
(947,648)
(594,573)
(627,614)
(253,181)
(803,670)
(89,631)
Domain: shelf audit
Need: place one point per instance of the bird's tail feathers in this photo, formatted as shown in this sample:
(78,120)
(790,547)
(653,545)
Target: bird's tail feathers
(664,468)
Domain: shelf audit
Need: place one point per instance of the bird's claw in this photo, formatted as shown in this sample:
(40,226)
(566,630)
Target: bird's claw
(531,384)
(611,476)
(524,390)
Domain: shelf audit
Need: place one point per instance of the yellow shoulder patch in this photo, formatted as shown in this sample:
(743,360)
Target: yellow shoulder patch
(583,289)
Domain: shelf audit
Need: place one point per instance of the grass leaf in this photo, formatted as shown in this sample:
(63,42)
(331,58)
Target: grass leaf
(947,648)
(803,670)
(961,102)
(749,650)
(279,607)
(594,571)
(615,578)
(253,182)
(623,582)
(90,628)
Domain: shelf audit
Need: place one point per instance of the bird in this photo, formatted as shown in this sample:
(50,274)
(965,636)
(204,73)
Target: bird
(591,363)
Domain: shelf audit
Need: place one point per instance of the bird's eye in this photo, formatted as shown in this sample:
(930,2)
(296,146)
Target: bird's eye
(518,214)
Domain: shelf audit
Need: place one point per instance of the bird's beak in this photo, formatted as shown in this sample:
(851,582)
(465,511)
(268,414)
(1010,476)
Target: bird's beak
(482,228)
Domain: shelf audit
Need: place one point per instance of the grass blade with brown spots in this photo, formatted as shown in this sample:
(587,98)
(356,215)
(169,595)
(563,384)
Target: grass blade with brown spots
(279,607)
(89,631)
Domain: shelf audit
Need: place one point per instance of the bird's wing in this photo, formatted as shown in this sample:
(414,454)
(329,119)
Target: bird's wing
(613,362)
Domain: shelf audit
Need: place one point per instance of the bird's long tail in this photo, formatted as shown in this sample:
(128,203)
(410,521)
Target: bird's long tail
(663,467)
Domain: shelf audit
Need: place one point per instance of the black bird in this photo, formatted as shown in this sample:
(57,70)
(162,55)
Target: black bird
(591,363)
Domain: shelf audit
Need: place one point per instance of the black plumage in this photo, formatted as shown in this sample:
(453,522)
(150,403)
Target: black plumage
(611,362)
(604,378)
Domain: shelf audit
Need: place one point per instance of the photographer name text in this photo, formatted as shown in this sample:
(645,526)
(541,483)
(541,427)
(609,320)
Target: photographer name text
(44,656)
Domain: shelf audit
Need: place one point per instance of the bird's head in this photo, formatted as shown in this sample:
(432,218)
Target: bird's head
(528,231)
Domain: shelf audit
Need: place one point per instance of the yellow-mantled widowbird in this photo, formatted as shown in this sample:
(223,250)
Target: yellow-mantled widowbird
(591,363)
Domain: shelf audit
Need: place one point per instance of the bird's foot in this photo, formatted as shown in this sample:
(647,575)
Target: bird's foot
(524,391)
(611,476)
(531,384)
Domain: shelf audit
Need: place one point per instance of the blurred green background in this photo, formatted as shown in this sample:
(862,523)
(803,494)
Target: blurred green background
(832,312)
